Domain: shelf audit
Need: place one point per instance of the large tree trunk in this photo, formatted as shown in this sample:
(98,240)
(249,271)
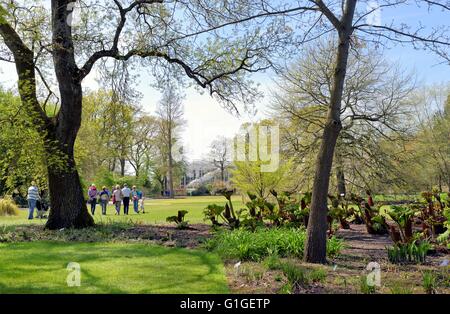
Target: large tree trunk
(68,207)
(315,247)
(66,196)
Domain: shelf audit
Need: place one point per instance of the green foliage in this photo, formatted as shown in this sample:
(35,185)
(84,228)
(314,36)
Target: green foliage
(402,253)
(429,282)
(318,275)
(179,219)
(398,288)
(201,191)
(272,261)
(403,217)
(19,137)
(226,213)
(212,212)
(296,275)
(8,208)
(249,178)
(243,244)
(364,287)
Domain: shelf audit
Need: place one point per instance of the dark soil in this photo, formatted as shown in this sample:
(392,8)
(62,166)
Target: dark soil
(160,234)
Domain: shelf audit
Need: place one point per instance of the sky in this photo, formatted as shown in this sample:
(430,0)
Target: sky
(206,119)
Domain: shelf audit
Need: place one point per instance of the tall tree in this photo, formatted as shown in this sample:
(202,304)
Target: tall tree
(161,33)
(170,115)
(145,130)
(375,106)
(220,154)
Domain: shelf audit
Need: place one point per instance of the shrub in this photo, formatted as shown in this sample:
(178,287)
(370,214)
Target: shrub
(8,208)
(243,244)
(201,191)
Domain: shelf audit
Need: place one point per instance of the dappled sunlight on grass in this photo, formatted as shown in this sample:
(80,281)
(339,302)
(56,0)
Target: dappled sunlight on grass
(109,268)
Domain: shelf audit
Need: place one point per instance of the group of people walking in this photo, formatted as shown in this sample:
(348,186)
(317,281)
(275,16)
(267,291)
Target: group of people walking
(117,196)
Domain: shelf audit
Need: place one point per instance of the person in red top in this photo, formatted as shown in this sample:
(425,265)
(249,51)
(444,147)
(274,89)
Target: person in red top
(92,194)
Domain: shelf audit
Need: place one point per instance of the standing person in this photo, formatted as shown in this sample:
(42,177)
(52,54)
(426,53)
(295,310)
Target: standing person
(104,199)
(141,200)
(126,192)
(92,194)
(135,197)
(32,197)
(117,198)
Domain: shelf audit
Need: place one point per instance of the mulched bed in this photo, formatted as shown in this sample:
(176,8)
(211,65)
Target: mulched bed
(166,235)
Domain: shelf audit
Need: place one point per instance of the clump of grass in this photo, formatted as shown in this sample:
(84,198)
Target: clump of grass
(402,253)
(255,245)
(8,208)
(365,287)
(272,262)
(318,275)
(398,288)
(429,282)
(296,275)
(286,289)
(251,273)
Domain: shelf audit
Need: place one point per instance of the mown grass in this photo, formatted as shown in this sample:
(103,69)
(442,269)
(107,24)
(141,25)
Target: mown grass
(157,210)
(41,267)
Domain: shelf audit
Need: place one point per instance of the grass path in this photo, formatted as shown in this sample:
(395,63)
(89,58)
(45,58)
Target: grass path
(40,267)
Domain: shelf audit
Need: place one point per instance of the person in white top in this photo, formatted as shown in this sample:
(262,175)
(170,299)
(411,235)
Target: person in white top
(117,198)
(126,198)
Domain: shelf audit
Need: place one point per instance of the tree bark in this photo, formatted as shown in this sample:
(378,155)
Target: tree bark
(68,206)
(315,247)
(122,167)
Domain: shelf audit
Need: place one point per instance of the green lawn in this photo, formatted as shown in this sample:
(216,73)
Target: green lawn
(40,267)
(156,211)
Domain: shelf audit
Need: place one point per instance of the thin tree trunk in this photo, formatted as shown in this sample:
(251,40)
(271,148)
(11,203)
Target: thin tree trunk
(122,167)
(170,170)
(315,247)
(340,176)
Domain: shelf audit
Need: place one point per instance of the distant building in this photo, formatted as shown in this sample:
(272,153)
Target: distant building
(200,172)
